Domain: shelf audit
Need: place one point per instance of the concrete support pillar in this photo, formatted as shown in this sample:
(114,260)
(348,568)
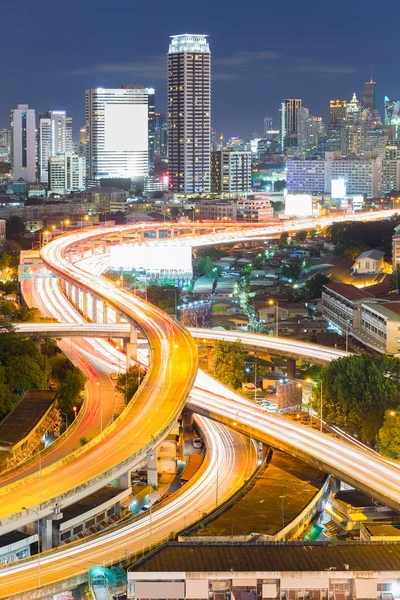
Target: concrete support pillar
(117,317)
(131,347)
(291,368)
(105,312)
(152,478)
(157,234)
(67,287)
(125,481)
(335,485)
(36,339)
(76,297)
(46,534)
(85,304)
(94,310)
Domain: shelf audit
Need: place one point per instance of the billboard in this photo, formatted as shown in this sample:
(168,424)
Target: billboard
(358,202)
(338,189)
(126,127)
(152,258)
(298,205)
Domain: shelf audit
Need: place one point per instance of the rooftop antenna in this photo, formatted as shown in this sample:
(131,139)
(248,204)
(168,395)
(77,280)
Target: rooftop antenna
(372,73)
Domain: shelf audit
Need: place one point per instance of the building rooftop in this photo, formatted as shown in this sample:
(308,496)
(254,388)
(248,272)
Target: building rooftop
(348,291)
(29,411)
(239,557)
(390,310)
(374,254)
(355,498)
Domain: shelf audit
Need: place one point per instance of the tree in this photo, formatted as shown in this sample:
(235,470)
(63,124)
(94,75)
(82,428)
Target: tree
(389,434)
(15,226)
(70,391)
(128,383)
(313,287)
(301,235)
(357,390)
(284,237)
(278,206)
(164,297)
(205,266)
(229,361)
(291,270)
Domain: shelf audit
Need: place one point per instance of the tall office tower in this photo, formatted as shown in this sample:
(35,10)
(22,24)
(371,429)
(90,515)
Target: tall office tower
(231,172)
(52,139)
(392,114)
(289,112)
(353,127)
(189,114)
(307,133)
(151,121)
(161,135)
(69,139)
(268,125)
(5,145)
(67,173)
(23,146)
(117,133)
(368,95)
(337,111)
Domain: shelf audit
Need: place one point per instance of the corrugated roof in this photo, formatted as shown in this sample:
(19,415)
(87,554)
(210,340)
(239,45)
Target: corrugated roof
(25,416)
(348,291)
(242,557)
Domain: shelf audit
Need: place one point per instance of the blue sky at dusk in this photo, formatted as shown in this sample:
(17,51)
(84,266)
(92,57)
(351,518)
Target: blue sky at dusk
(262,52)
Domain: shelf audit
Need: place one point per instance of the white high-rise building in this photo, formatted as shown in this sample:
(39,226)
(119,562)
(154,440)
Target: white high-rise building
(117,133)
(23,147)
(189,114)
(67,173)
(52,132)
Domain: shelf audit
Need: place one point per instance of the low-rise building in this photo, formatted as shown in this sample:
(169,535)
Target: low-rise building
(379,326)
(216,210)
(340,305)
(67,173)
(254,210)
(218,571)
(371,261)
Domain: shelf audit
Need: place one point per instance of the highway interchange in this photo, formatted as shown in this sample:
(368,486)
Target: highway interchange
(170,377)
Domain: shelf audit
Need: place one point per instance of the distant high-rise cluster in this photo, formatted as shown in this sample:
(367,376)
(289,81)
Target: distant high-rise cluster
(355,147)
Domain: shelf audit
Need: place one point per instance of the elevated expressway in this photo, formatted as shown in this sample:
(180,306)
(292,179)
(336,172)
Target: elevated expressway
(161,398)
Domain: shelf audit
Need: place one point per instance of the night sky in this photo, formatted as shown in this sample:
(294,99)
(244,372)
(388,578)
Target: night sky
(262,52)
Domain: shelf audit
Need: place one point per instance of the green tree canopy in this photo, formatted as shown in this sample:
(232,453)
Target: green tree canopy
(389,434)
(128,383)
(357,390)
(313,287)
(291,270)
(229,361)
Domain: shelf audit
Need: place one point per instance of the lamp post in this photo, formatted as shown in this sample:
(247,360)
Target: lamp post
(275,303)
(38,527)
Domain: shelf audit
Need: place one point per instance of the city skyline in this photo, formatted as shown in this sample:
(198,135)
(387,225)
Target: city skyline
(270,64)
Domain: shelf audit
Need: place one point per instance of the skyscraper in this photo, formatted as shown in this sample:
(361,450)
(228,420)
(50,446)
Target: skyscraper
(392,114)
(368,95)
(23,147)
(69,140)
(161,135)
(268,125)
(117,133)
(189,113)
(289,114)
(5,145)
(337,112)
(52,139)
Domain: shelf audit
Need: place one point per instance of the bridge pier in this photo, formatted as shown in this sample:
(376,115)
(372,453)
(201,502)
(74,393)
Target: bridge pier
(36,339)
(131,347)
(94,310)
(125,480)
(291,368)
(152,472)
(85,304)
(105,312)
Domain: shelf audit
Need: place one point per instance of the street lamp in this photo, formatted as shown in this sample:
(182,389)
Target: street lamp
(254,363)
(38,528)
(74,408)
(275,303)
